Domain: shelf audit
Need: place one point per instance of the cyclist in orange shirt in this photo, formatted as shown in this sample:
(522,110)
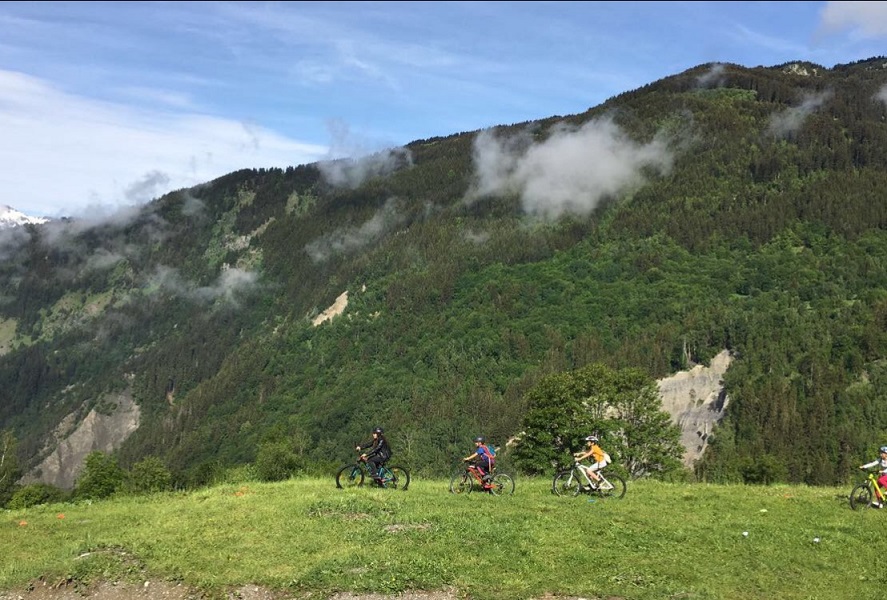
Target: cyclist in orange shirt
(592,450)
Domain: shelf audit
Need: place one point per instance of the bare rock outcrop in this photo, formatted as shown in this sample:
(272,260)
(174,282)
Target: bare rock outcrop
(98,431)
(696,401)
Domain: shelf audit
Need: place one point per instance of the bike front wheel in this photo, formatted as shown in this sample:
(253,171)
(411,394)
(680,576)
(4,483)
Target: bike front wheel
(501,484)
(349,476)
(564,484)
(397,478)
(461,482)
(861,497)
(612,487)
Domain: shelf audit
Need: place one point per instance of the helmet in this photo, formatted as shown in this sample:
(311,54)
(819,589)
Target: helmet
(883,448)
(377,430)
(591,438)
(480,439)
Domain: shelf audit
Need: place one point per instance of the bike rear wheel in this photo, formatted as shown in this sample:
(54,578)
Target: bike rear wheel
(461,482)
(565,484)
(349,476)
(501,484)
(396,478)
(615,489)
(861,497)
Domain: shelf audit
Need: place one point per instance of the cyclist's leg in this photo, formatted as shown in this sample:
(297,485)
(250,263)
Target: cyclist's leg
(880,489)
(483,469)
(373,466)
(592,472)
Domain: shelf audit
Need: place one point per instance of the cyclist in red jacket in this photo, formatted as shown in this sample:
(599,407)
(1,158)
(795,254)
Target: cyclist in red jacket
(881,463)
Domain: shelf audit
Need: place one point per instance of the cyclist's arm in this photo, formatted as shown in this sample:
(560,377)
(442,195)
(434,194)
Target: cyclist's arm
(869,465)
(467,458)
(377,447)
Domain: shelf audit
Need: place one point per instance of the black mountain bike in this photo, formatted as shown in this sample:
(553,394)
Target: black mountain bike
(354,474)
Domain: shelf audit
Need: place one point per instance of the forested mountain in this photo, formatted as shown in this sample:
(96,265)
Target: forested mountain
(724,207)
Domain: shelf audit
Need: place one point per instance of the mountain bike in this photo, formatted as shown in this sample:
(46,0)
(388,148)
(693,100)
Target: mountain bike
(575,481)
(867,493)
(466,479)
(353,475)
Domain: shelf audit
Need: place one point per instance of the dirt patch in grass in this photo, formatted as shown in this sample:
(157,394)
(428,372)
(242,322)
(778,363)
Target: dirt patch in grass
(162,590)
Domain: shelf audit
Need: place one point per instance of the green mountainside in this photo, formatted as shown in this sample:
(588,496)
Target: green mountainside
(721,208)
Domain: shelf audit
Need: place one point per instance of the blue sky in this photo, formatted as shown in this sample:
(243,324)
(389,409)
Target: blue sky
(106,105)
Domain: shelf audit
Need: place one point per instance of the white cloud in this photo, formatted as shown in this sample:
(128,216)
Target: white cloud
(791,119)
(230,284)
(570,172)
(866,19)
(349,239)
(75,152)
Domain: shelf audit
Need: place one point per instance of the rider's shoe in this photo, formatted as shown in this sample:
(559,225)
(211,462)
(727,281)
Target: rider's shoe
(877,505)
(486,477)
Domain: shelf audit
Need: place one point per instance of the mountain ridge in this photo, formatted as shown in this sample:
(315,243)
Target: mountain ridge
(10,217)
(714,209)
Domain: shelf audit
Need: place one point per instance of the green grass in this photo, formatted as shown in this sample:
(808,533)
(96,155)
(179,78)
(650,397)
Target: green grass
(305,536)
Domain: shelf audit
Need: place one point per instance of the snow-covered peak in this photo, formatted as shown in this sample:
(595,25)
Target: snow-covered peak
(9,217)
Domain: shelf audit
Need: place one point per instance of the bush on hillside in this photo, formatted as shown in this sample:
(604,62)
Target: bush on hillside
(276,461)
(149,475)
(34,494)
(102,477)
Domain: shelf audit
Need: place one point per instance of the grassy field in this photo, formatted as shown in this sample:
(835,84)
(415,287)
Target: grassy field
(306,537)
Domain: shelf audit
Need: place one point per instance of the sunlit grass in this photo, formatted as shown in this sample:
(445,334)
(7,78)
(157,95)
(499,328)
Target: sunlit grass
(305,535)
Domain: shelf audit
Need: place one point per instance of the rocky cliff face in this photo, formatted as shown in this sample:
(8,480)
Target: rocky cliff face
(696,401)
(74,441)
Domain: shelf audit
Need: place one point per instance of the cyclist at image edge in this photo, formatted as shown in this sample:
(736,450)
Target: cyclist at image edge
(376,453)
(881,463)
(596,453)
(481,458)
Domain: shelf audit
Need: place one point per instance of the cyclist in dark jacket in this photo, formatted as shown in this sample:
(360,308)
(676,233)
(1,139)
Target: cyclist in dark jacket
(376,453)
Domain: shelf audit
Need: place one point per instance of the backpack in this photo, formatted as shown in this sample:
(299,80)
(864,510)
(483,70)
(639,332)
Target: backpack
(491,452)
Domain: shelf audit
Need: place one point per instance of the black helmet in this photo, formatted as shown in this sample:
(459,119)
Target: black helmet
(883,448)
(480,439)
(377,430)
(592,438)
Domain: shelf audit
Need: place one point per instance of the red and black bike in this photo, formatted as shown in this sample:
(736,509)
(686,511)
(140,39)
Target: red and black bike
(467,478)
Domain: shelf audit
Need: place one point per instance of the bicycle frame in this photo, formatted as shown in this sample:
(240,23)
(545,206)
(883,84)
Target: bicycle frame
(475,472)
(575,481)
(353,475)
(868,490)
(463,481)
(602,483)
(876,487)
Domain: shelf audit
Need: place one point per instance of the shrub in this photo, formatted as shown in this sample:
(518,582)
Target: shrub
(149,475)
(101,477)
(275,461)
(34,494)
